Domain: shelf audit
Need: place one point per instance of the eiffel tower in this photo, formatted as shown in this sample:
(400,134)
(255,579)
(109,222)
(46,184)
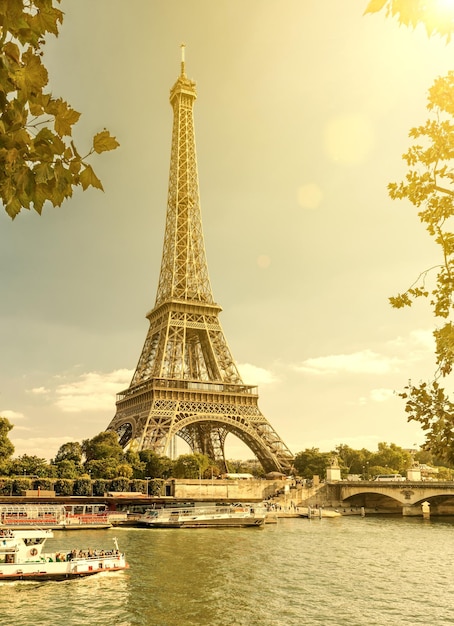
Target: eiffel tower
(186,382)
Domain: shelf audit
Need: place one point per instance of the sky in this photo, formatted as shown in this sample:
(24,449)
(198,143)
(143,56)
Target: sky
(302,116)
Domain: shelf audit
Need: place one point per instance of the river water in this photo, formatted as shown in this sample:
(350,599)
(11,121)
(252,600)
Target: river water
(349,570)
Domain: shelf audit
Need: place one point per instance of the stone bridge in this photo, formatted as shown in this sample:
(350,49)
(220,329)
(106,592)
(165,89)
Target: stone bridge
(404,497)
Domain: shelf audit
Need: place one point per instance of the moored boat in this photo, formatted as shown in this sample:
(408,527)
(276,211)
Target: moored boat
(320,512)
(204,517)
(58,516)
(22,558)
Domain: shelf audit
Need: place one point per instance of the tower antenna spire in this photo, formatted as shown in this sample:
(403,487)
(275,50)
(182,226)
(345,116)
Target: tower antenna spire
(183,46)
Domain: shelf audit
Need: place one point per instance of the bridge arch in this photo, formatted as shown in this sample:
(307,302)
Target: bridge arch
(405,498)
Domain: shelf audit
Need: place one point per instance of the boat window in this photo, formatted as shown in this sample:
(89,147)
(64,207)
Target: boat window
(6,558)
(34,542)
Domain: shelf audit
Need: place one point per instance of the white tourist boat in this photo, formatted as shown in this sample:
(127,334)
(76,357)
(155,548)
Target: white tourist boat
(205,517)
(22,558)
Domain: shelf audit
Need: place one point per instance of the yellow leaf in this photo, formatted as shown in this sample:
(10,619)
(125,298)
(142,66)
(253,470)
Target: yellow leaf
(374,6)
(88,177)
(103,142)
(64,115)
(12,51)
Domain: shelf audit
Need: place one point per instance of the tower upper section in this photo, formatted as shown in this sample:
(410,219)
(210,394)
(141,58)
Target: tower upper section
(184,270)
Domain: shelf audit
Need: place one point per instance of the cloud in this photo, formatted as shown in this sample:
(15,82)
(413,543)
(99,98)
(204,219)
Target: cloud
(42,447)
(38,391)
(395,354)
(418,344)
(93,391)
(11,415)
(378,395)
(382,394)
(363,362)
(253,375)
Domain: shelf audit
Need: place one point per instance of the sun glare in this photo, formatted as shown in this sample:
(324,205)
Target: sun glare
(440,13)
(445,5)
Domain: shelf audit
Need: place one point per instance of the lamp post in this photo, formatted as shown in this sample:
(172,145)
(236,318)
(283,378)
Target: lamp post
(147,478)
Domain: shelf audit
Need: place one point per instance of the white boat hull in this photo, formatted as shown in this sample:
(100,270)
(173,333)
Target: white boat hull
(204,517)
(59,571)
(208,523)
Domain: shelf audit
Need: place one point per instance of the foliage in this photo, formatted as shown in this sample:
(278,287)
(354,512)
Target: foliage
(249,466)
(166,467)
(437,17)
(155,466)
(388,459)
(139,486)
(6,447)
(99,487)
(20,485)
(64,487)
(155,487)
(429,405)
(375,470)
(311,462)
(70,451)
(212,471)
(68,469)
(44,483)
(191,465)
(391,458)
(137,466)
(352,461)
(103,446)
(82,487)
(426,457)
(30,465)
(119,484)
(125,470)
(428,185)
(444,473)
(39,162)
(6,487)
(102,468)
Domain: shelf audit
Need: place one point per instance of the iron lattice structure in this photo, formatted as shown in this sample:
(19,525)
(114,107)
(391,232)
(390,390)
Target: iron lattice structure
(186,382)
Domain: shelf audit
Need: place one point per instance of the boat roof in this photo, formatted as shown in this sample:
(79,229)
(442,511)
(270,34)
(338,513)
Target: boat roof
(29,533)
(31,508)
